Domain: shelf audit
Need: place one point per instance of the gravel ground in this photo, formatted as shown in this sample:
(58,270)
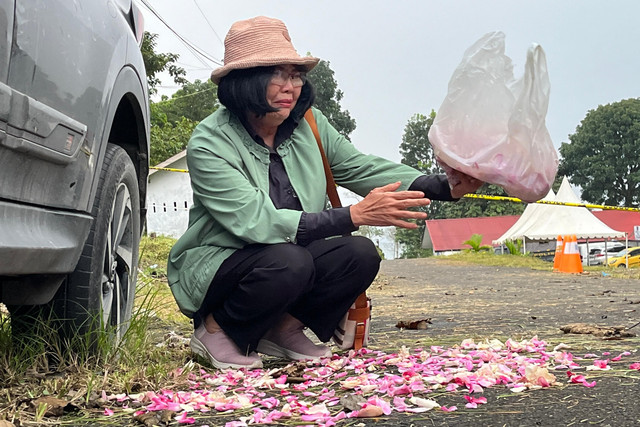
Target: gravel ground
(483,302)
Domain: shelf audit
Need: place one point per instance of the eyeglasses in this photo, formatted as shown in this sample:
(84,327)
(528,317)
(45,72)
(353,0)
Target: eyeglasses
(281,77)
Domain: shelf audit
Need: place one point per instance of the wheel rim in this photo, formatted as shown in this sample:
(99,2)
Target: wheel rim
(118,262)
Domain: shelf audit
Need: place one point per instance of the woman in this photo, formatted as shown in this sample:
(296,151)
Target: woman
(255,267)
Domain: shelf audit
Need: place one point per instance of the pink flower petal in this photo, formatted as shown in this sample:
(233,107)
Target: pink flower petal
(448,409)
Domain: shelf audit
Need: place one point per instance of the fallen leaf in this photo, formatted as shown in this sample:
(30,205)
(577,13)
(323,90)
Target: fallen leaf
(148,419)
(352,402)
(55,407)
(413,324)
(598,331)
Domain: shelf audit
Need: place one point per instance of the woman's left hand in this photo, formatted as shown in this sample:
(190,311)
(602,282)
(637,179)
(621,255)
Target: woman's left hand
(461,184)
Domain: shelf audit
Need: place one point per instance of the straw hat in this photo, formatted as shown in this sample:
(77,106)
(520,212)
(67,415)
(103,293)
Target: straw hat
(259,42)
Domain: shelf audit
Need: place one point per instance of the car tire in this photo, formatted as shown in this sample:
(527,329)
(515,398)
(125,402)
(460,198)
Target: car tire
(622,266)
(99,294)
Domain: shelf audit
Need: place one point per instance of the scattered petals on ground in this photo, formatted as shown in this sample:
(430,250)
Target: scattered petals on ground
(384,383)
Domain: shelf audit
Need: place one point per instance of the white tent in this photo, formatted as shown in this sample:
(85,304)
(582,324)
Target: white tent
(543,222)
(531,215)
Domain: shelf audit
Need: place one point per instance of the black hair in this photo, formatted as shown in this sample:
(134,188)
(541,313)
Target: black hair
(245,90)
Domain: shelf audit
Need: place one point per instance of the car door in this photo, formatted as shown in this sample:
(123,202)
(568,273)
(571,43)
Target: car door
(59,60)
(634,258)
(6,24)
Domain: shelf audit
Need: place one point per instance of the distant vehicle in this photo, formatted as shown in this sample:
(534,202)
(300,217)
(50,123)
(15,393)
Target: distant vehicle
(74,159)
(620,259)
(598,256)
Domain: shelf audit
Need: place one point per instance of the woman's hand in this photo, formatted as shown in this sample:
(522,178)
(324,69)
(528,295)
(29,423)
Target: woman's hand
(384,206)
(461,183)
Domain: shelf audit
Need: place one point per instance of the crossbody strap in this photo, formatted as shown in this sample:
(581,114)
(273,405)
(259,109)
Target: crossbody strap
(331,184)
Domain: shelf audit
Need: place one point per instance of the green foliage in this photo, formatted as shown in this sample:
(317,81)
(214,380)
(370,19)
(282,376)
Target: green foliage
(193,101)
(170,139)
(416,152)
(328,98)
(472,208)
(476,243)
(415,148)
(173,119)
(514,246)
(156,63)
(602,156)
(411,241)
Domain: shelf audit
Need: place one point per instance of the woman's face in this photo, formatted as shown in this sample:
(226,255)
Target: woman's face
(283,92)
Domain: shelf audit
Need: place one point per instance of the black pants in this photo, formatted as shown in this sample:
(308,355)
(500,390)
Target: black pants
(316,284)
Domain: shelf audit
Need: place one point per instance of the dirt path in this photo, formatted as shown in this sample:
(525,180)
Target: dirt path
(496,301)
(482,302)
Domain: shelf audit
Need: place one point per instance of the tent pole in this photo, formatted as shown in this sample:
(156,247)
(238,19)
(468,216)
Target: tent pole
(626,246)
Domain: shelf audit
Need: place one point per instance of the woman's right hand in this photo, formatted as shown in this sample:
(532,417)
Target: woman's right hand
(385,206)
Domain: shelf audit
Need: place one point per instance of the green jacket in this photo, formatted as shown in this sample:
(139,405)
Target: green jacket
(231,205)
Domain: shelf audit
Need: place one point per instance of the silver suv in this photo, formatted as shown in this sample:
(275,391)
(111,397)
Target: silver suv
(74,149)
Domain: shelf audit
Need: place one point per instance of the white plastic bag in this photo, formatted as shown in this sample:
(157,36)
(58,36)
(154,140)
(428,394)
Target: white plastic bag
(492,127)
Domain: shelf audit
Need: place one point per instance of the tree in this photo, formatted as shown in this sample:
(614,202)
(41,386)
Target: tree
(602,156)
(416,152)
(170,139)
(173,119)
(194,101)
(156,63)
(328,98)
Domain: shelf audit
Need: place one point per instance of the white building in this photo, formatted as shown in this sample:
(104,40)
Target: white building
(169,197)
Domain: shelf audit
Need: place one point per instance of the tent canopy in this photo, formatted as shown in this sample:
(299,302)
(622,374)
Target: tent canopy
(546,222)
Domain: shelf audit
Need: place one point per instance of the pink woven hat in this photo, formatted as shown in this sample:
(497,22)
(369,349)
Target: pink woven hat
(259,42)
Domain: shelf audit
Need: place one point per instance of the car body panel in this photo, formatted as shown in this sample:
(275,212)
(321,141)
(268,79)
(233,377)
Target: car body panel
(72,79)
(621,258)
(601,256)
(6,26)
(46,71)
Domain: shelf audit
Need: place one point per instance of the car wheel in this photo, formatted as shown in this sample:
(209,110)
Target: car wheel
(99,294)
(622,266)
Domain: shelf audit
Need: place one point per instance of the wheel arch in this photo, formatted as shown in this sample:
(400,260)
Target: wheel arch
(127,125)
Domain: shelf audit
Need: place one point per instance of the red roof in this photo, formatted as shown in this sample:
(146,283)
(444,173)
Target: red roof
(448,234)
(620,220)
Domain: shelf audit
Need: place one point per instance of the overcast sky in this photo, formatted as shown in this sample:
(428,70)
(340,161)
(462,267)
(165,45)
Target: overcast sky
(394,59)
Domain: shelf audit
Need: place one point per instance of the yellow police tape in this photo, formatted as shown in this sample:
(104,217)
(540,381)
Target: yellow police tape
(551,202)
(497,198)
(169,169)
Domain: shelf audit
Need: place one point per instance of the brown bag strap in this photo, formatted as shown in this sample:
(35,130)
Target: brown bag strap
(362,311)
(331,184)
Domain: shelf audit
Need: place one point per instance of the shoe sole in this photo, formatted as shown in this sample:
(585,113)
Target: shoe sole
(272,349)
(201,350)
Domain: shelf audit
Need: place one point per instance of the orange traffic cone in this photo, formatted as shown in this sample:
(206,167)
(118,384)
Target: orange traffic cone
(562,266)
(557,258)
(571,261)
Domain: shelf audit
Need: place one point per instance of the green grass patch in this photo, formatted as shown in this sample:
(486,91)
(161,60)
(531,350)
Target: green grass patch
(492,259)
(77,368)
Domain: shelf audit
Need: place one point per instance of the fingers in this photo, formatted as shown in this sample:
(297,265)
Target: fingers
(386,188)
